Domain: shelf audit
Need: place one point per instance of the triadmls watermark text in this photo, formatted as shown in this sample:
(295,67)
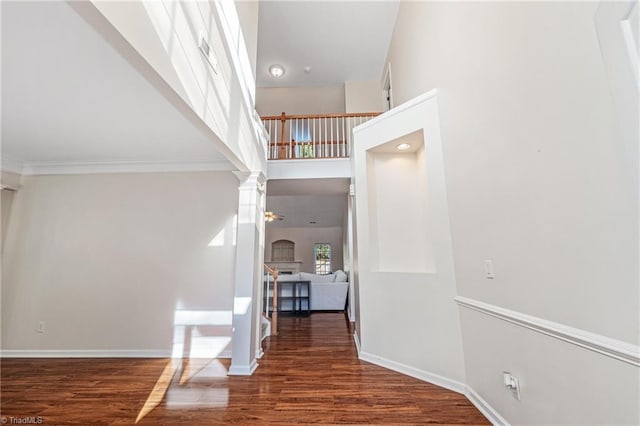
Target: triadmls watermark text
(22,420)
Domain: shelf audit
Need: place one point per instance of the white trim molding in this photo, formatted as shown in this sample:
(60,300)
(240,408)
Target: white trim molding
(94,167)
(10,165)
(426,376)
(483,406)
(356,340)
(330,168)
(93,353)
(243,370)
(85,353)
(607,346)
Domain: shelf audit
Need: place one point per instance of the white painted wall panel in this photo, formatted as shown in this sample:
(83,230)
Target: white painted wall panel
(107,260)
(300,100)
(363,96)
(540,181)
(408,319)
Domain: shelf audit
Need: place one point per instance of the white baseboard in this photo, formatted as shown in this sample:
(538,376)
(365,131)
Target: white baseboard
(436,379)
(97,353)
(356,339)
(85,353)
(485,408)
(243,370)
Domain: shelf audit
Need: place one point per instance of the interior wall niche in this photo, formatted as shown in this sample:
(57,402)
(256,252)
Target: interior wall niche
(283,251)
(398,197)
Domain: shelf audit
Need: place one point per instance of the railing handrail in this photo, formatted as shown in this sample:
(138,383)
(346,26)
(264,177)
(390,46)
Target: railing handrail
(274,316)
(284,116)
(312,135)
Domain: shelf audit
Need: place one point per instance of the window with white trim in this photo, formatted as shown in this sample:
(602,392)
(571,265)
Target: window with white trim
(322,256)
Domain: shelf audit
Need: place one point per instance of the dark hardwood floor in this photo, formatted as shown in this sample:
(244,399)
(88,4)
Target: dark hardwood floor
(310,374)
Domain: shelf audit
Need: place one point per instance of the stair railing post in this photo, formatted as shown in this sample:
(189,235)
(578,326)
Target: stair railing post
(274,315)
(283,139)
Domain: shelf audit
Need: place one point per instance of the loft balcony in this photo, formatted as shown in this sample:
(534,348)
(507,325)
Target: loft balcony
(324,136)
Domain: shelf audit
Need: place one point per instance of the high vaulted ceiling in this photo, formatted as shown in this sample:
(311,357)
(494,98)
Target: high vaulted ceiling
(338,40)
(68,97)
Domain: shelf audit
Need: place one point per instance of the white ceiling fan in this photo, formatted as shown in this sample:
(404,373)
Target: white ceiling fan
(271,216)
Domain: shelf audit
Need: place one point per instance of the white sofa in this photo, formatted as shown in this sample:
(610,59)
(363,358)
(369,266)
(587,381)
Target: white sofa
(328,292)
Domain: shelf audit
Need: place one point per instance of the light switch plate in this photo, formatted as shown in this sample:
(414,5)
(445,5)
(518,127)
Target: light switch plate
(488,270)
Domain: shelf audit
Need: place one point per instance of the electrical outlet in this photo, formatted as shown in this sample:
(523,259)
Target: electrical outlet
(40,328)
(510,382)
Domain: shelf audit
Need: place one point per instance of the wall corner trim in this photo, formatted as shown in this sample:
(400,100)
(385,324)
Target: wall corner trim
(426,376)
(356,340)
(603,345)
(483,406)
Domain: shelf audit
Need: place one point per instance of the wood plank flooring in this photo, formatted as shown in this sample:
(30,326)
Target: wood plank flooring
(310,374)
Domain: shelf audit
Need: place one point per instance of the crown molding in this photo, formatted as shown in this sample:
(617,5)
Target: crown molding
(95,167)
(10,165)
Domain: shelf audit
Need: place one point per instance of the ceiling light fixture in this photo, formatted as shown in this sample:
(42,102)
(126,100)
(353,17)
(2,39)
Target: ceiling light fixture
(403,146)
(276,70)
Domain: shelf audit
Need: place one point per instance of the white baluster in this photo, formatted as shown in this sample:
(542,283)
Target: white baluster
(324,147)
(312,132)
(290,150)
(332,139)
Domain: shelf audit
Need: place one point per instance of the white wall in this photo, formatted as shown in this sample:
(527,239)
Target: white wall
(394,180)
(248,11)
(408,318)
(300,100)
(354,96)
(539,182)
(363,96)
(305,238)
(107,260)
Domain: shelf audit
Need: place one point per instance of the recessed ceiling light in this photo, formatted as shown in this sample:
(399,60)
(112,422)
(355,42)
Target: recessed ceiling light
(307,69)
(276,70)
(403,146)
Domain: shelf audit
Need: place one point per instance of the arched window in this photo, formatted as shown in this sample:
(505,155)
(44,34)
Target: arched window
(283,251)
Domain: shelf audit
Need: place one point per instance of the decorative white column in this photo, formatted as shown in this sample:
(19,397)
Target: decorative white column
(248,275)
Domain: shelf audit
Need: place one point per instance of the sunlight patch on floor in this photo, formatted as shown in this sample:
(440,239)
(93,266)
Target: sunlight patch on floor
(159,389)
(199,338)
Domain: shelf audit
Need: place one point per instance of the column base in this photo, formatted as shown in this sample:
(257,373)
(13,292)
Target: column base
(242,370)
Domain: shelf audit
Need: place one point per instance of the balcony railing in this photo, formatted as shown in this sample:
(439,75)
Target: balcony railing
(312,136)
